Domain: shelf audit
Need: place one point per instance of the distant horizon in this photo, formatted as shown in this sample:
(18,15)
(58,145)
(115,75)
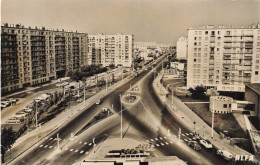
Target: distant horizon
(162,21)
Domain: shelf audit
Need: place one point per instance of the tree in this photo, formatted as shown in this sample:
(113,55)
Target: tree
(198,92)
(8,138)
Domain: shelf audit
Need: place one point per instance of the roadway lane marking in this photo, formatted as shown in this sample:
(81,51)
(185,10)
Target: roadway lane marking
(85,143)
(152,140)
(40,146)
(71,150)
(86,153)
(50,147)
(46,146)
(156,139)
(81,151)
(76,150)
(157,145)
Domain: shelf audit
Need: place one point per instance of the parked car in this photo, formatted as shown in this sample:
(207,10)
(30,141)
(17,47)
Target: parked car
(6,102)
(225,154)
(195,145)
(20,114)
(3,105)
(13,101)
(105,109)
(13,120)
(98,102)
(205,143)
(79,100)
(27,110)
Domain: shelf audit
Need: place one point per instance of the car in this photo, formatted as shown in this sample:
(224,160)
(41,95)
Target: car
(105,109)
(205,143)
(27,110)
(195,145)
(13,120)
(98,102)
(20,114)
(13,101)
(6,102)
(225,154)
(3,105)
(79,100)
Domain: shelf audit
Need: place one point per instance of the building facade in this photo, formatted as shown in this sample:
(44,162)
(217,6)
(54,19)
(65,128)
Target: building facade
(223,58)
(252,94)
(182,48)
(34,56)
(221,104)
(107,49)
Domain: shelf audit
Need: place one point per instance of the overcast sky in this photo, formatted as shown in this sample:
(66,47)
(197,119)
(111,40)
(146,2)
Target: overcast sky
(162,21)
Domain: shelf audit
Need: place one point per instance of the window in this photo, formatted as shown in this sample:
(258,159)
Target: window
(195,43)
(219,33)
(195,38)
(206,32)
(195,59)
(224,105)
(256,72)
(229,105)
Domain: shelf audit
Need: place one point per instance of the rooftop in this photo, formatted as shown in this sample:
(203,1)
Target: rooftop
(254,86)
(212,27)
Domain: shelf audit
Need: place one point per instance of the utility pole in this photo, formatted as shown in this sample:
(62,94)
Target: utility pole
(94,144)
(179,134)
(121,117)
(106,82)
(58,141)
(36,116)
(172,98)
(212,126)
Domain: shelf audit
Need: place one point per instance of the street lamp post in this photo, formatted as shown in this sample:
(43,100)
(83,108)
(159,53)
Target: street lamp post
(194,125)
(121,117)
(84,92)
(212,126)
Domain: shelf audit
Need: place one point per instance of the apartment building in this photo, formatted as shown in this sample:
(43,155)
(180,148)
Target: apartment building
(223,58)
(108,49)
(182,48)
(31,56)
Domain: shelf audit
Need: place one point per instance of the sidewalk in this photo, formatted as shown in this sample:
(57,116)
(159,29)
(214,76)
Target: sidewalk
(188,117)
(28,142)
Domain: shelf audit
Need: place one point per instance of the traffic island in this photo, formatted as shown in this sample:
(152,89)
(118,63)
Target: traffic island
(130,98)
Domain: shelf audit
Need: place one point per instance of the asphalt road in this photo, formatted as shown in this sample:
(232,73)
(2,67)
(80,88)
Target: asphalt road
(74,149)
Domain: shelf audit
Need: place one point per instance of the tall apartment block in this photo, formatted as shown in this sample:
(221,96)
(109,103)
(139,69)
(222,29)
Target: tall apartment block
(107,49)
(223,58)
(182,48)
(33,56)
